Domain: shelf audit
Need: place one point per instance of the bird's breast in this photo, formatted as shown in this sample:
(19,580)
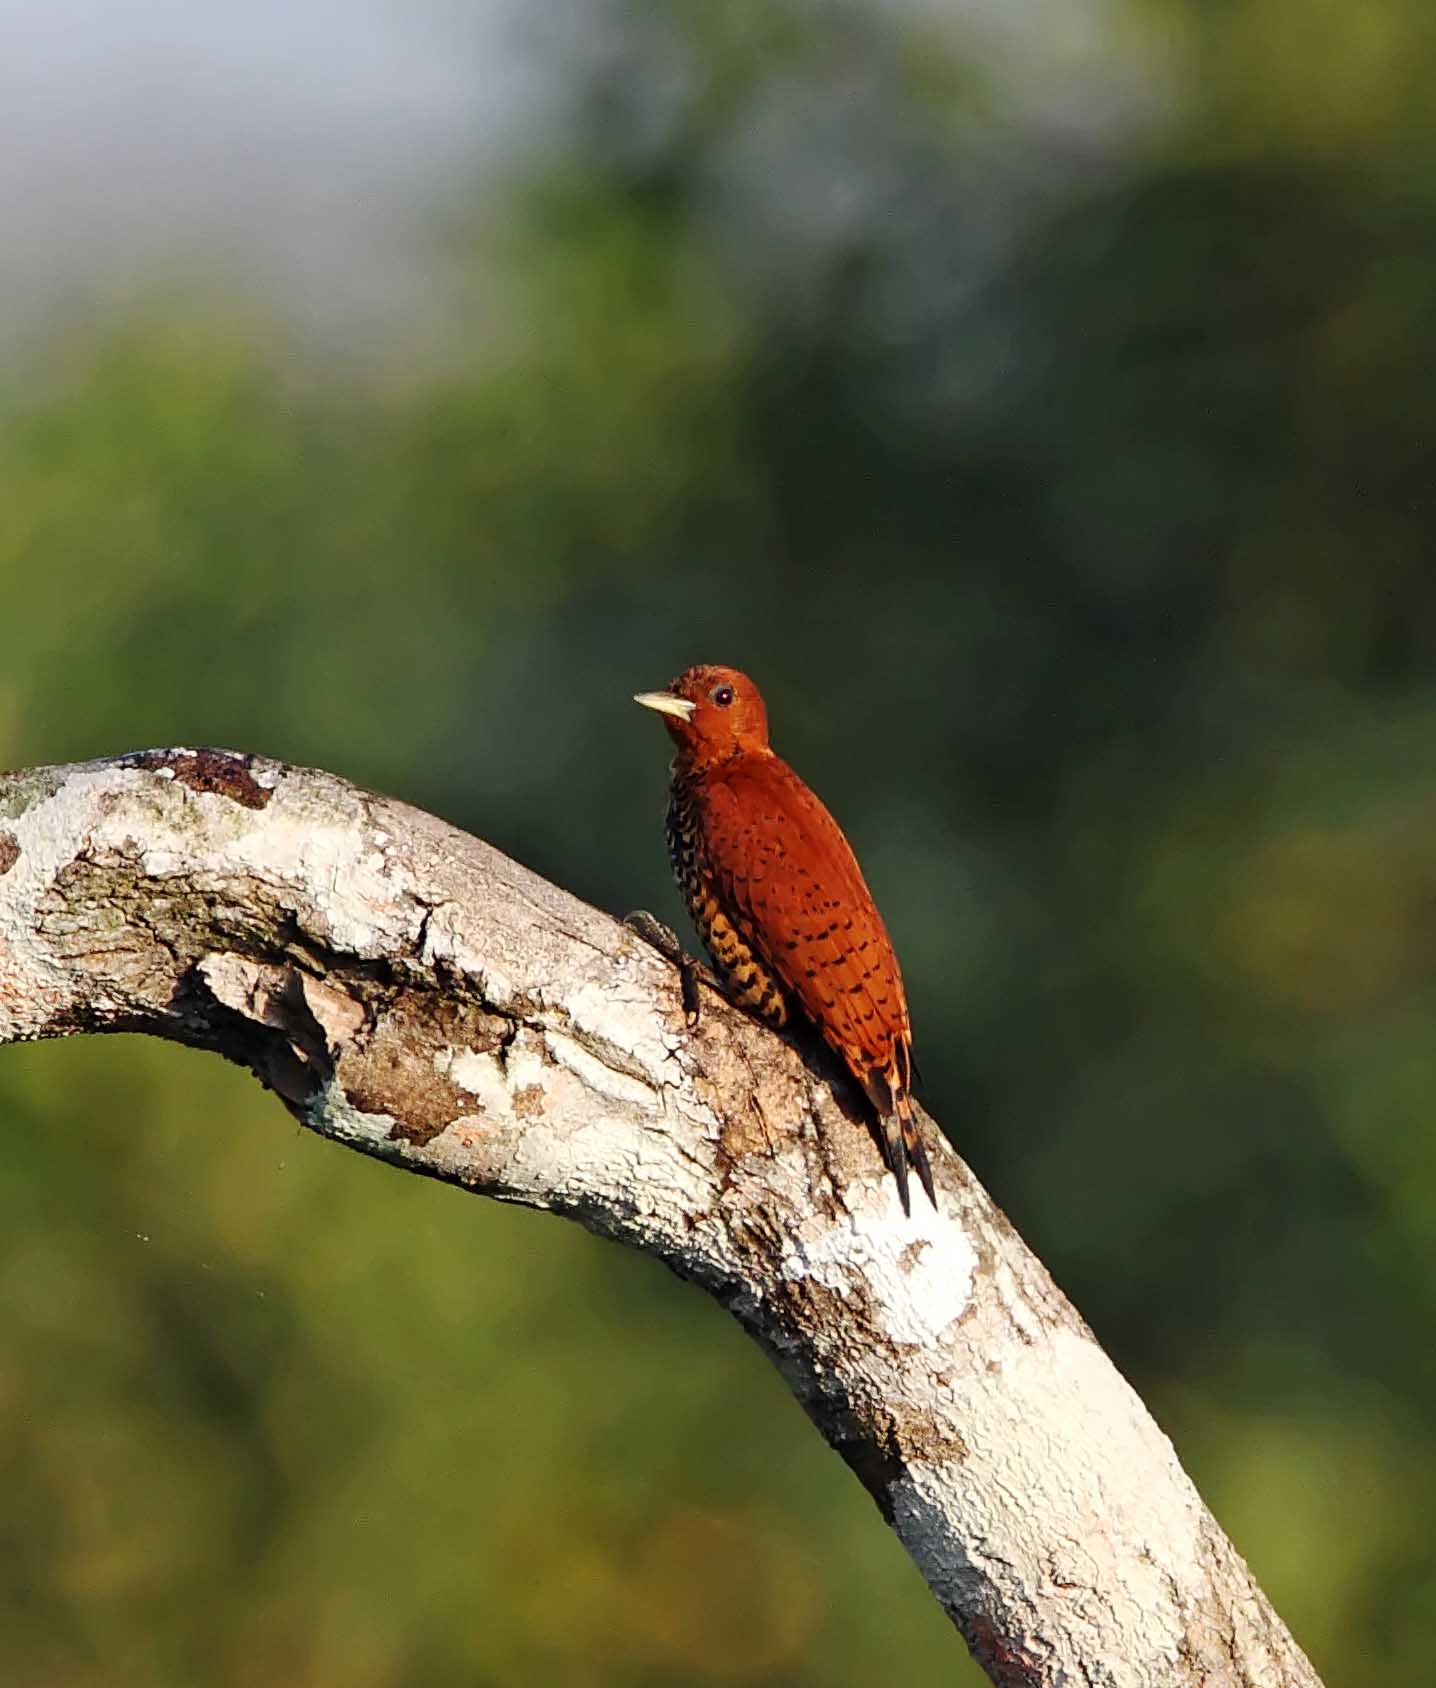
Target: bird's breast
(727,932)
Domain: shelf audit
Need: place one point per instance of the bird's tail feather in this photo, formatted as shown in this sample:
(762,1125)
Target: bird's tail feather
(895,1154)
(901,1145)
(902,1148)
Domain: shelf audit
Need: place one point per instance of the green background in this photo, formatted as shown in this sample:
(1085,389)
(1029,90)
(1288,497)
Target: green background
(1071,497)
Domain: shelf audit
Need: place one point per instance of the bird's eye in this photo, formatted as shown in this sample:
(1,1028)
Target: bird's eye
(722,696)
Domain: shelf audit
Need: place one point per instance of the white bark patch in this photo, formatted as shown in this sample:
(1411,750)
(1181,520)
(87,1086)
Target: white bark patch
(159,864)
(465,1150)
(318,851)
(479,1074)
(600,1078)
(626,1022)
(445,941)
(1058,1488)
(920,1277)
(492,1084)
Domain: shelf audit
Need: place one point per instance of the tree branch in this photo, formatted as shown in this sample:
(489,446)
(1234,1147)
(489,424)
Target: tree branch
(409,991)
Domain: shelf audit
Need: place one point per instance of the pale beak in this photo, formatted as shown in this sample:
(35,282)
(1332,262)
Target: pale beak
(666,704)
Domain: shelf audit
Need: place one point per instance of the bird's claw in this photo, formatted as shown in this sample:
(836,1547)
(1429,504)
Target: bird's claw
(665,940)
(654,933)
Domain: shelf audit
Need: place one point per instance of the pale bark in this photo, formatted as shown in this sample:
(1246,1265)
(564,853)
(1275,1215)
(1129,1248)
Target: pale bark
(409,991)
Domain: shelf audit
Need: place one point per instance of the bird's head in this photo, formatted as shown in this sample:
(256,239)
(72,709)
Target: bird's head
(711,713)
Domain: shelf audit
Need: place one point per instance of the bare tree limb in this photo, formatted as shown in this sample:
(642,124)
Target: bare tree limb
(409,991)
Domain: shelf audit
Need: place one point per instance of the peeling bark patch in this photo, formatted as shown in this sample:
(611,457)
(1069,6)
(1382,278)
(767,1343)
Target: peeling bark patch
(528,1101)
(744,1132)
(923,1439)
(281,1041)
(219,771)
(391,1071)
(9,851)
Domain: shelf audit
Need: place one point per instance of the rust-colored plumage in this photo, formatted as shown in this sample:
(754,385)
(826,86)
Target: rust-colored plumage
(779,900)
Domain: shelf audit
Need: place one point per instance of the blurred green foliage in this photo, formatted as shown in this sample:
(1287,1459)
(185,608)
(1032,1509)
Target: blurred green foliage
(1069,489)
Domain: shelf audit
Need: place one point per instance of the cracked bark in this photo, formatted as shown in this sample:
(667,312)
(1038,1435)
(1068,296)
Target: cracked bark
(407,990)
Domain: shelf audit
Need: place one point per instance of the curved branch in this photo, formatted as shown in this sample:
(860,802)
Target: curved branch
(409,991)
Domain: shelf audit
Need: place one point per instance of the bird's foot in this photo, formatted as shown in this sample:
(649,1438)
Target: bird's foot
(665,940)
(654,933)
